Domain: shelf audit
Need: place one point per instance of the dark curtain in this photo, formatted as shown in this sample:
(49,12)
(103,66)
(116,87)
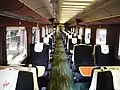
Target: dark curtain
(3,53)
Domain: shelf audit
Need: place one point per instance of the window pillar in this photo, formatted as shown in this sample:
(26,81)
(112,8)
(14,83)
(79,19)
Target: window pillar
(29,39)
(3,54)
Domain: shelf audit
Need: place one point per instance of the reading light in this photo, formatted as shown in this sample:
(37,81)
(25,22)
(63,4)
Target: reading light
(72,9)
(67,6)
(81,0)
(75,3)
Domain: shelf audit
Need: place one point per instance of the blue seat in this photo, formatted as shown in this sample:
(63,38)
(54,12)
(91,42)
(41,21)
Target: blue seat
(40,58)
(25,81)
(82,56)
(12,79)
(101,80)
(103,59)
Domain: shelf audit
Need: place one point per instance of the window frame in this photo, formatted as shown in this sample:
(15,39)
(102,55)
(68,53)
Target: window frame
(21,55)
(87,33)
(98,35)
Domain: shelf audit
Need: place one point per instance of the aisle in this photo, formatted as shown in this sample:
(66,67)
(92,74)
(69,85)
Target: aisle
(61,74)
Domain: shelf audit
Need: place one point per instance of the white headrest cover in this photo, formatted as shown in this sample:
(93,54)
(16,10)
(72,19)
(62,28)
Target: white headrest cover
(79,37)
(51,33)
(87,40)
(69,36)
(38,47)
(46,40)
(74,40)
(75,35)
(41,70)
(116,79)
(8,79)
(105,49)
(49,36)
(94,81)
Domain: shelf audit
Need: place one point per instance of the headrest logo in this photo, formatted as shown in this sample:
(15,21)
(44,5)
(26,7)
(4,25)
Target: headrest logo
(5,84)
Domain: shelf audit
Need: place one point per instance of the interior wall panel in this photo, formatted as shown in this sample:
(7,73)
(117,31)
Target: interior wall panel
(3,53)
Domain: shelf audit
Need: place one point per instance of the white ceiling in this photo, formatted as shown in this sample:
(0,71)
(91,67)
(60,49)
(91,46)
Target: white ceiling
(42,7)
(67,10)
(70,8)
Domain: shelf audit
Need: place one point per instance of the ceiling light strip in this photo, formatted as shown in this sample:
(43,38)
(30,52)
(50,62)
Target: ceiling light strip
(70,6)
(81,0)
(73,3)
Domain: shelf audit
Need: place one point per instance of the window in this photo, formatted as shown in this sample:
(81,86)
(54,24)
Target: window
(35,34)
(16,42)
(87,33)
(80,31)
(43,31)
(119,48)
(47,30)
(101,36)
(71,29)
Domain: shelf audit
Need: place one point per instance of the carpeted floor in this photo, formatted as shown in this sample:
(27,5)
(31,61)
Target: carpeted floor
(61,74)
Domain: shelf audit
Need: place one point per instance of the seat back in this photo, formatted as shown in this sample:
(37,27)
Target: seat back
(12,79)
(40,58)
(105,81)
(101,58)
(83,55)
(50,44)
(46,40)
(71,43)
(101,80)
(25,81)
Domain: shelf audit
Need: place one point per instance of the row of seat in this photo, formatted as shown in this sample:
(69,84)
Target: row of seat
(19,78)
(71,39)
(105,78)
(85,57)
(86,54)
(41,55)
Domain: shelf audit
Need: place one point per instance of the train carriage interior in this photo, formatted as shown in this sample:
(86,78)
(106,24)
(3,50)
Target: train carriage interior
(59,44)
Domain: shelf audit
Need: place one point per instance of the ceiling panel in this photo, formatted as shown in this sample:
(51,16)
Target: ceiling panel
(70,8)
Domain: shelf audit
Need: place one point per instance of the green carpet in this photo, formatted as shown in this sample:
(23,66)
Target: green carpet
(61,75)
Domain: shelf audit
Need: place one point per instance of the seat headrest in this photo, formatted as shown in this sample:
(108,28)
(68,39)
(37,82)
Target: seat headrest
(69,36)
(94,81)
(8,79)
(105,49)
(46,40)
(41,70)
(74,40)
(79,37)
(74,34)
(87,40)
(49,36)
(38,47)
(51,33)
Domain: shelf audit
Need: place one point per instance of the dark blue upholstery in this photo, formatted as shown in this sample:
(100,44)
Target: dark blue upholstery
(105,81)
(70,45)
(50,43)
(103,59)
(83,55)
(78,41)
(40,58)
(25,81)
